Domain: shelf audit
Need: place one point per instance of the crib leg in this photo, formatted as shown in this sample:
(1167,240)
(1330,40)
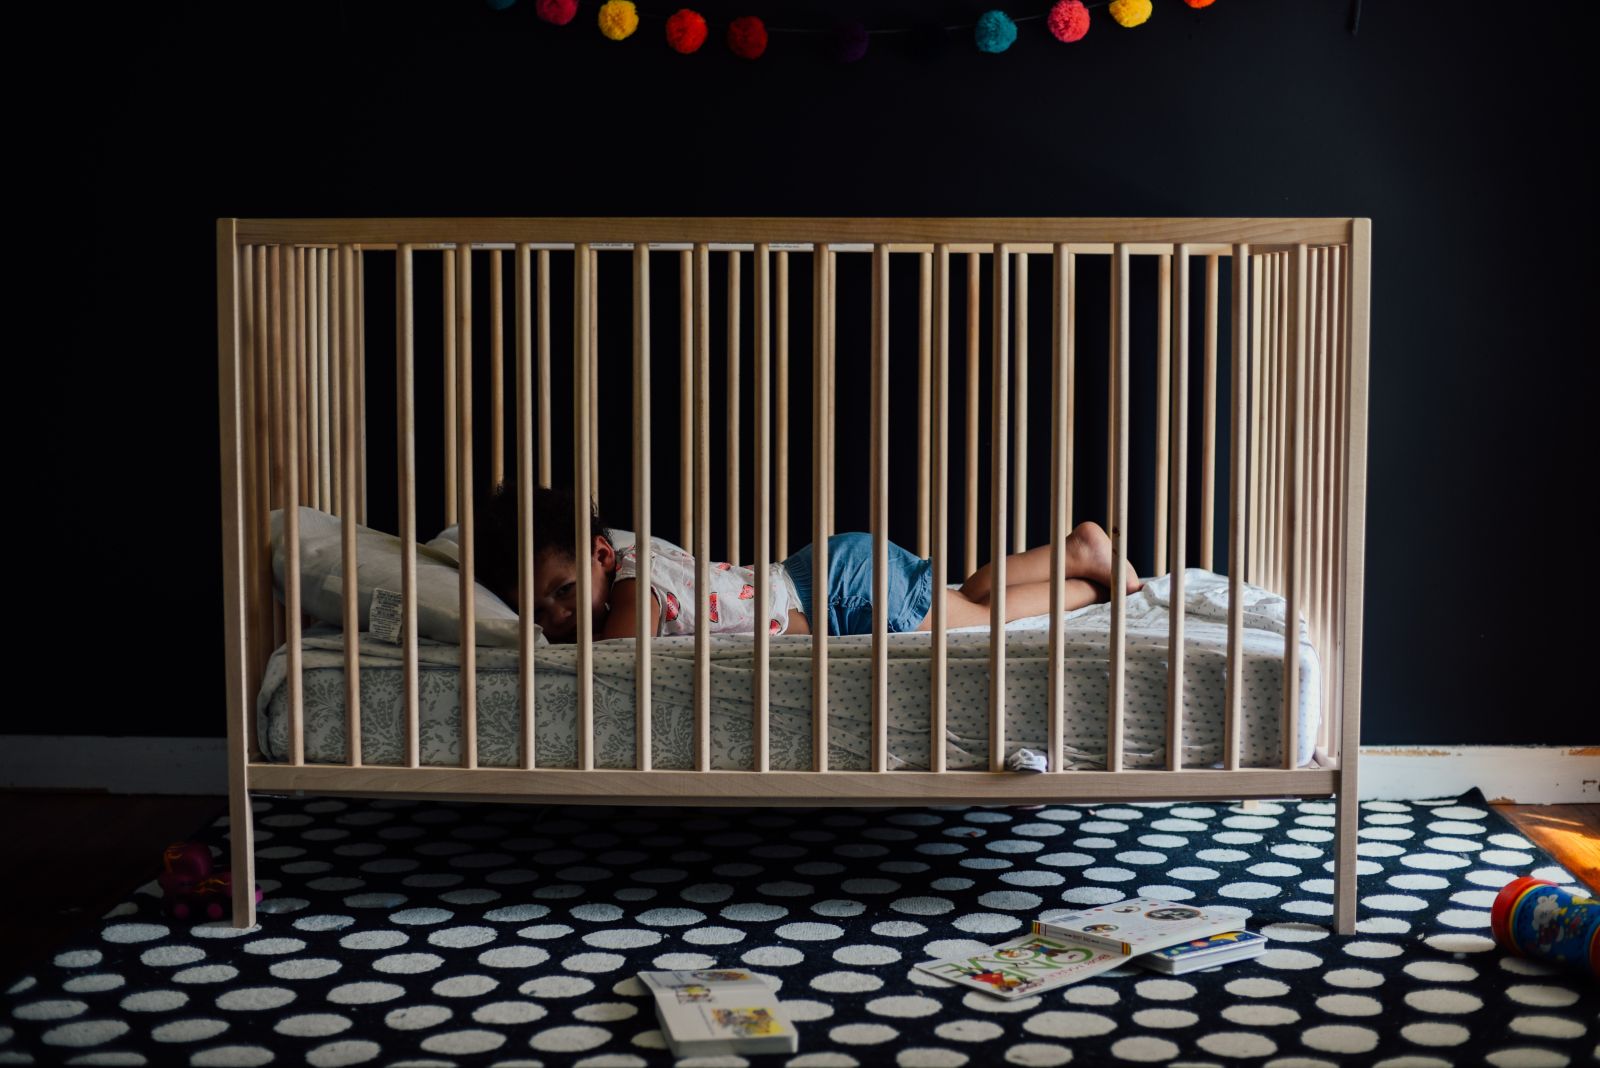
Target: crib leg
(1347,822)
(242,861)
(1250,804)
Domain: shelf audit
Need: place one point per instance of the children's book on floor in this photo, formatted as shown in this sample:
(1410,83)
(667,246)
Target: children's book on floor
(719,1010)
(1066,947)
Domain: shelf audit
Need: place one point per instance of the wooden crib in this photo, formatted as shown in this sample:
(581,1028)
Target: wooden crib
(291,346)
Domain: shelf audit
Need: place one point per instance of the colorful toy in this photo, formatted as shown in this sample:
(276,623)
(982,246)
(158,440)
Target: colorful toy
(1536,918)
(190,888)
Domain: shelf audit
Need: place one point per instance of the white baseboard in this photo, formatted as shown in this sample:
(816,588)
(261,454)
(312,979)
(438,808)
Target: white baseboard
(1525,775)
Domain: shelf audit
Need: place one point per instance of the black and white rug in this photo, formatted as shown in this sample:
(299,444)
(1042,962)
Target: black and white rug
(418,933)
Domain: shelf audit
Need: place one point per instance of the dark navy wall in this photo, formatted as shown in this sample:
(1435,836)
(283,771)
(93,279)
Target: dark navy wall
(1463,142)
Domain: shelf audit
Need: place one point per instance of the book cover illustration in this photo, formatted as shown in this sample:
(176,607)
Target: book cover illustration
(719,1010)
(1212,944)
(1137,925)
(1025,966)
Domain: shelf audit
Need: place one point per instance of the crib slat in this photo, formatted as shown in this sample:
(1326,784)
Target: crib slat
(643,599)
(1208,429)
(763,491)
(270,610)
(1255,521)
(497,381)
(879,489)
(832,337)
(1311,549)
(348,508)
(336,380)
(312,332)
(999,366)
(359,382)
(1119,511)
(940,523)
(406,390)
(594,374)
(821,321)
(546,453)
(686,356)
(1164,414)
(1334,653)
(1296,494)
(781,410)
(283,330)
(1065,270)
(323,413)
(464,477)
(451,495)
(730,412)
(924,395)
(1274,433)
(970,543)
(1180,515)
(250,431)
(301,387)
(524,386)
(1019,448)
(702,508)
(1243,265)
(583,492)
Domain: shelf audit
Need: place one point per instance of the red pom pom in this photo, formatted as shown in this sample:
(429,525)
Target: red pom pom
(1069,20)
(747,37)
(559,12)
(1199,3)
(686,31)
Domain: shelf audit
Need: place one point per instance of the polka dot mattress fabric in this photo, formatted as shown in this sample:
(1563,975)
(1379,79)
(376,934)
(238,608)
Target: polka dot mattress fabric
(399,932)
(850,688)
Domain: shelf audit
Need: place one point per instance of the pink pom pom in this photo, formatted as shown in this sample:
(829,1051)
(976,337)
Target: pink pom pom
(559,12)
(1069,20)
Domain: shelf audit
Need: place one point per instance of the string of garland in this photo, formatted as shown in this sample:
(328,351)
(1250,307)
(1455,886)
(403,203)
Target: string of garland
(747,36)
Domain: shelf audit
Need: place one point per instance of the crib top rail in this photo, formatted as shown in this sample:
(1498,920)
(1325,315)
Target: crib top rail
(1087,235)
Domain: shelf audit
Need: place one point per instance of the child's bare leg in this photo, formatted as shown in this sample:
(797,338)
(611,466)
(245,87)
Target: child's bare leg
(1088,556)
(1022,600)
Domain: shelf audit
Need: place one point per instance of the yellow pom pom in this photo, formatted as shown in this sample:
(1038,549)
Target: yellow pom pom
(619,18)
(1130,13)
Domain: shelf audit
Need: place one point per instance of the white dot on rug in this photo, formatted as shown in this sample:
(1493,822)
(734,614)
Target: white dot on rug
(210,973)
(969,1031)
(621,939)
(255,998)
(155,1001)
(866,955)
(308,968)
(591,962)
(462,937)
(809,931)
(78,958)
(1435,1034)
(1544,997)
(1464,918)
(978,1001)
(463,1043)
(1439,971)
(845,982)
(987,923)
(1236,1044)
(905,1007)
(1289,959)
(1038,1055)
(541,931)
(1356,978)
(171,956)
(1092,995)
(556,986)
(1165,989)
(465,986)
(1340,1038)
(190,1030)
(606,1012)
(1394,902)
(1294,932)
(773,956)
(1069,1024)
(313,1025)
(1144,1049)
(506,1013)
(1248,1015)
(568,1039)
(671,917)
(863,1034)
(1349,1005)
(134,932)
(1459,943)
(1527,1057)
(1443,1000)
(231,1057)
(1258,988)
(54,1009)
(84,1033)
(1165,1018)
(926,1057)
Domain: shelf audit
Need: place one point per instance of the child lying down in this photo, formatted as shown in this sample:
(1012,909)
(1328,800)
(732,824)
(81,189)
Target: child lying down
(732,595)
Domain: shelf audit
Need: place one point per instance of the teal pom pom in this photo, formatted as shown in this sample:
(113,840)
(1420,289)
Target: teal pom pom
(499,5)
(995,32)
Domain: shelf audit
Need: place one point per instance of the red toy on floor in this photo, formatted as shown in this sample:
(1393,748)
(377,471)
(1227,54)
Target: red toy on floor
(190,889)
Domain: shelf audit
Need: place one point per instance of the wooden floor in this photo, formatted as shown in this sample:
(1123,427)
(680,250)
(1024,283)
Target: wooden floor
(77,855)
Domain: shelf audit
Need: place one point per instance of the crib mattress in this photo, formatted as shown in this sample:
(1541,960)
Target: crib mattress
(849,694)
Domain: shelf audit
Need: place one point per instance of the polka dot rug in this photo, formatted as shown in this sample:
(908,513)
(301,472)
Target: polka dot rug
(399,932)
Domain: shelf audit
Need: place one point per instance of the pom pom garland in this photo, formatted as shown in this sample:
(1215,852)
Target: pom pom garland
(618,19)
(1069,20)
(559,12)
(995,31)
(1130,13)
(847,42)
(747,37)
(686,31)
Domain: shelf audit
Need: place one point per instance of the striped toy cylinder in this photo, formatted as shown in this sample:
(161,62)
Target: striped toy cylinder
(1536,918)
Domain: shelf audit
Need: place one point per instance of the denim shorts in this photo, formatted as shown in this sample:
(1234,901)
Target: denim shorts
(850,585)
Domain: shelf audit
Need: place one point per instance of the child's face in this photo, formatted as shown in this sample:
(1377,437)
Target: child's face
(555,587)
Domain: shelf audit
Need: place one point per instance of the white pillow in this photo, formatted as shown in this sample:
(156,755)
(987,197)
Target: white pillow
(378,557)
(448,538)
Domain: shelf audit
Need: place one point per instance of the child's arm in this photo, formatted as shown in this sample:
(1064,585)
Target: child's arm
(623,620)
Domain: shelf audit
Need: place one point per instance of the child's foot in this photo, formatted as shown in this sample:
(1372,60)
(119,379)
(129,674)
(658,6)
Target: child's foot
(1089,557)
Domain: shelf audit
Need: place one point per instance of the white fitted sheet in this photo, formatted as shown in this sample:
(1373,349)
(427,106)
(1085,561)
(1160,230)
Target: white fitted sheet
(849,671)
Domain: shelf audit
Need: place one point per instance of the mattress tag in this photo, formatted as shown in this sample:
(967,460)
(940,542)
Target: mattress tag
(384,619)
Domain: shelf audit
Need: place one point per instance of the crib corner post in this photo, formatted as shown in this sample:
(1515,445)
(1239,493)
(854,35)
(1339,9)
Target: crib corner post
(1347,818)
(242,848)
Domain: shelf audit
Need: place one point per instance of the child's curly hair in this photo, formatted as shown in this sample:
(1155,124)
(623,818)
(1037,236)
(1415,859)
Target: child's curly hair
(494,538)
